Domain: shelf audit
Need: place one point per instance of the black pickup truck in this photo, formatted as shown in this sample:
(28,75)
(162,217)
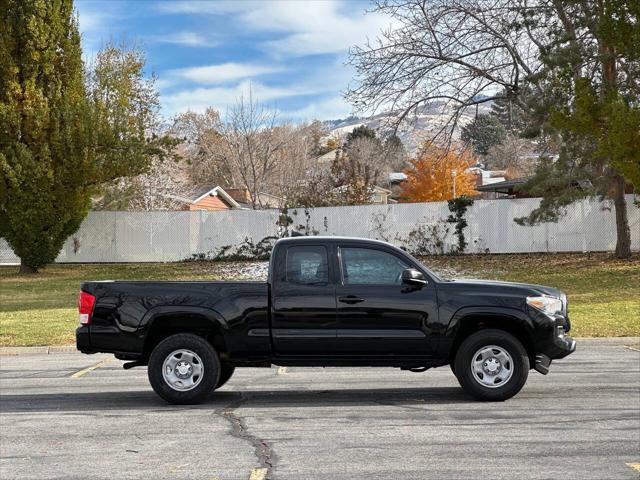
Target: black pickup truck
(328,301)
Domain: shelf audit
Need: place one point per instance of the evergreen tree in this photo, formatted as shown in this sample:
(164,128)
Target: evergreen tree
(44,128)
(361,132)
(58,140)
(590,75)
(483,132)
(510,114)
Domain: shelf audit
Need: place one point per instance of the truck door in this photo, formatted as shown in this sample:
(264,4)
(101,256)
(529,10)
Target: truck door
(303,321)
(377,314)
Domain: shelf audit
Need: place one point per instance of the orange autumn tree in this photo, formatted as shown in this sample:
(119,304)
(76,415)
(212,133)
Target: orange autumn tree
(430,177)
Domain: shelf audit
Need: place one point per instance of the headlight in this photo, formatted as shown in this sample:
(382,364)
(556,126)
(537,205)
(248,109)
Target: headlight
(546,304)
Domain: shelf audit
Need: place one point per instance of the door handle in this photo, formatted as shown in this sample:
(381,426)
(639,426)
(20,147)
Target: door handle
(350,299)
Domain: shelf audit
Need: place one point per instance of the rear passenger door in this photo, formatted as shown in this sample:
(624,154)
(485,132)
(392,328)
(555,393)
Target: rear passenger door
(377,313)
(304,302)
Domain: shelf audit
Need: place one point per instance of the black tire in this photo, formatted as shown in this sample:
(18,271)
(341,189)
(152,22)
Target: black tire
(210,368)
(226,371)
(485,338)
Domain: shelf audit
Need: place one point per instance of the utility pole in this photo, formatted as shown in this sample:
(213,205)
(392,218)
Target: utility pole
(453,174)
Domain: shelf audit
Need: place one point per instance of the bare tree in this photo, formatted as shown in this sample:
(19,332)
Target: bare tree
(449,54)
(204,148)
(157,189)
(578,61)
(252,145)
(515,155)
(296,159)
(368,152)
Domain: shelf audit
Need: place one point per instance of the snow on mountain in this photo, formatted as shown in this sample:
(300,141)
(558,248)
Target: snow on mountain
(413,131)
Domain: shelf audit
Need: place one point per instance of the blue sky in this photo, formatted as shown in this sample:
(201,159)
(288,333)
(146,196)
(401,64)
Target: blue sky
(206,53)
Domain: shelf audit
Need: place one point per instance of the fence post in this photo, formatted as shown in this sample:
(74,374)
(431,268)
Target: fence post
(115,235)
(584,227)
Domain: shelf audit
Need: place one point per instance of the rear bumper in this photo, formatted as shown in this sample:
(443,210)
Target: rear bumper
(83,340)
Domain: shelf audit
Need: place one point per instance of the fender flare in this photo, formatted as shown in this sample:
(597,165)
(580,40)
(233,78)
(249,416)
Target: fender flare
(156,314)
(518,316)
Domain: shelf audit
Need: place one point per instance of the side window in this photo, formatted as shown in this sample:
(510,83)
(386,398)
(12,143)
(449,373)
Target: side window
(307,265)
(366,266)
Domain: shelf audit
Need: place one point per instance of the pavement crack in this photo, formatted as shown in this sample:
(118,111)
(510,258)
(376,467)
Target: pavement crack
(239,430)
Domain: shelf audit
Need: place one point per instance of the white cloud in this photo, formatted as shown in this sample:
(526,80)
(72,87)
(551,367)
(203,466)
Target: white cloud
(221,98)
(197,6)
(325,82)
(324,109)
(316,27)
(283,30)
(313,26)
(190,39)
(94,24)
(224,72)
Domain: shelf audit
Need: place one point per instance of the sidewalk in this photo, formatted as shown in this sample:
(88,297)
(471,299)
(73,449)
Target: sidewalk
(54,349)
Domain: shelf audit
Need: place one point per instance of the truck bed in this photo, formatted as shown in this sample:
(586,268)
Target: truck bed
(125,311)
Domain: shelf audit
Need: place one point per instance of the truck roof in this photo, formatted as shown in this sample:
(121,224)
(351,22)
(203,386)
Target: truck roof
(329,239)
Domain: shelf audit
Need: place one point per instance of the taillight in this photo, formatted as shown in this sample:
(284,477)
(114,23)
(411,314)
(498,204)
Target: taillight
(86,301)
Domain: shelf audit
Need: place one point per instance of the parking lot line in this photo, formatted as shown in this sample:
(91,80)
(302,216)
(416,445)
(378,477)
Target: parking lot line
(631,348)
(258,474)
(84,371)
(634,466)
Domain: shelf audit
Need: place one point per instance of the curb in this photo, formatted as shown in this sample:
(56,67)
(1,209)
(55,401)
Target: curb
(43,350)
(600,341)
(54,349)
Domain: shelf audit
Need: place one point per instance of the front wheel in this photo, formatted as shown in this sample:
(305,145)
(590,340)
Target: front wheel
(492,365)
(183,369)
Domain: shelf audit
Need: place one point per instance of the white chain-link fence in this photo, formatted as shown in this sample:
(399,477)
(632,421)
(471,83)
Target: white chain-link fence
(420,227)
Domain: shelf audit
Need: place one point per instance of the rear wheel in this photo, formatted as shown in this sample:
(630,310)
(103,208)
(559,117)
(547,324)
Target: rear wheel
(491,365)
(226,371)
(184,369)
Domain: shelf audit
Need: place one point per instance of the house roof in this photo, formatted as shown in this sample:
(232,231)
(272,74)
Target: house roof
(374,189)
(195,194)
(507,186)
(398,177)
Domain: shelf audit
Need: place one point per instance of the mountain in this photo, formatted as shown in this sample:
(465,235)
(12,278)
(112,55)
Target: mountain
(422,125)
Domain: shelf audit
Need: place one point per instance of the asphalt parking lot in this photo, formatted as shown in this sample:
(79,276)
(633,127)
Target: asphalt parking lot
(59,419)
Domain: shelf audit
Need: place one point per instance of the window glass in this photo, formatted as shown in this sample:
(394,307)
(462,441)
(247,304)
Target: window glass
(307,265)
(366,266)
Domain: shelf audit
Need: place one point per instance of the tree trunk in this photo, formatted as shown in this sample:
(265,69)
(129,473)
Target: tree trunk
(623,244)
(27,269)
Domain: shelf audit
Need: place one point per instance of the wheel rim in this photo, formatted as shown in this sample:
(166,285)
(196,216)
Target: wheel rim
(492,366)
(182,370)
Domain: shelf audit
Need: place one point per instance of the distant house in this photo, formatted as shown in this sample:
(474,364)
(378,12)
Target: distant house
(265,200)
(511,188)
(378,195)
(206,198)
(396,178)
(504,188)
(486,177)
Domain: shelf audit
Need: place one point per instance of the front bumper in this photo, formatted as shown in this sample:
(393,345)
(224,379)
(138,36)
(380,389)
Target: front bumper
(559,345)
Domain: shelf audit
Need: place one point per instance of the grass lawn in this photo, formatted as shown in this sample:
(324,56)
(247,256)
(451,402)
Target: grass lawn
(604,293)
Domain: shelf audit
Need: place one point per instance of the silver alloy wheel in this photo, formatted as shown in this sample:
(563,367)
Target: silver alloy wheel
(492,366)
(182,370)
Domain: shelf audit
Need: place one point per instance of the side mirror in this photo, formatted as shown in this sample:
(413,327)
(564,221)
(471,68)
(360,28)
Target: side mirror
(411,276)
